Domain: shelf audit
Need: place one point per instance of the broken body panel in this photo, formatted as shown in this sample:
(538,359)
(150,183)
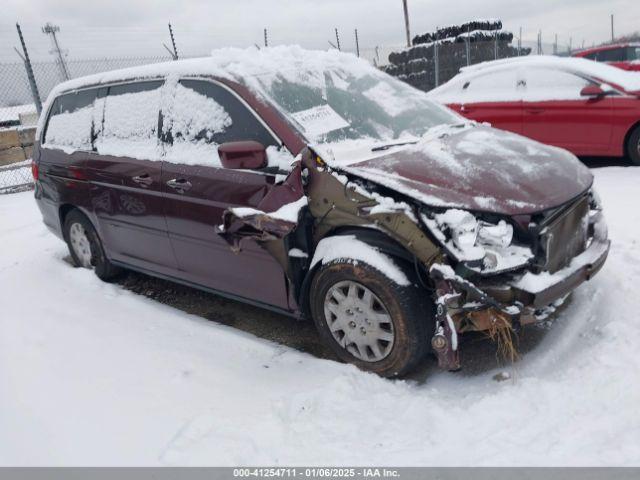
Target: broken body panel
(345,200)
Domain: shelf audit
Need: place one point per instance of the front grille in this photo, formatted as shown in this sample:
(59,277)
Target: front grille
(565,236)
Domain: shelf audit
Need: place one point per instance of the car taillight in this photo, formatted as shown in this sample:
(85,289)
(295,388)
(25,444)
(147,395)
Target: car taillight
(35,171)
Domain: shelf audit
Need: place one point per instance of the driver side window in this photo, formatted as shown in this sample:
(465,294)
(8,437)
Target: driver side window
(202,116)
(543,84)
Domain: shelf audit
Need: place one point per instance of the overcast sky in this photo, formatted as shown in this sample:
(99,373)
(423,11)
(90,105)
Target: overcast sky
(97,28)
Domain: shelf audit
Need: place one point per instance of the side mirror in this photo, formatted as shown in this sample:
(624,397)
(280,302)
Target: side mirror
(246,154)
(592,91)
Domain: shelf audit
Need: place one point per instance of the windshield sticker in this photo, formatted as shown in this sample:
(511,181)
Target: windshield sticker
(320,120)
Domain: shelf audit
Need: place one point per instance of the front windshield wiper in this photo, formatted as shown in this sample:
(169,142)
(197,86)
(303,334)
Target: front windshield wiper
(413,142)
(391,145)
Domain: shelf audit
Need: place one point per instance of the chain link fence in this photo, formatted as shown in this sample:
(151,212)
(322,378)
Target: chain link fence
(18,112)
(16,177)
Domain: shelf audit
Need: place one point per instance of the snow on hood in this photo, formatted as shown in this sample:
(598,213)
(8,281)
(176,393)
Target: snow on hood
(479,168)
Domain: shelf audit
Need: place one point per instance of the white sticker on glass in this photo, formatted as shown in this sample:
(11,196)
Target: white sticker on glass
(319,120)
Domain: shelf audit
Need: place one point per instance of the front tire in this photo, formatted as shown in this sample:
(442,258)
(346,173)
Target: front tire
(633,146)
(85,246)
(369,320)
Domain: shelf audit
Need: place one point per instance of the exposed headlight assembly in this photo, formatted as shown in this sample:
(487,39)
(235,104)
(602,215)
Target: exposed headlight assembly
(485,247)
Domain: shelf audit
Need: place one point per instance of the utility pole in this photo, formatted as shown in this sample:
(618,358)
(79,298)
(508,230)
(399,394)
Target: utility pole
(266,39)
(520,42)
(27,65)
(357,44)
(613,38)
(436,60)
(406,22)
(51,30)
(555,45)
(338,39)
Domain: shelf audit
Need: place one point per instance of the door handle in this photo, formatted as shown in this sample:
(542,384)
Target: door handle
(143,180)
(180,185)
(534,111)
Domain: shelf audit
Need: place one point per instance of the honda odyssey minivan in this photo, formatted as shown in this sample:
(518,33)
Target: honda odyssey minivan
(312,184)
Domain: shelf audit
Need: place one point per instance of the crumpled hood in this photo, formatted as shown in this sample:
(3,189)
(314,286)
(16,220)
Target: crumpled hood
(479,168)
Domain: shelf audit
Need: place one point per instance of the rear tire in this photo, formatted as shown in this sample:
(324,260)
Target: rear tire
(633,146)
(369,320)
(85,246)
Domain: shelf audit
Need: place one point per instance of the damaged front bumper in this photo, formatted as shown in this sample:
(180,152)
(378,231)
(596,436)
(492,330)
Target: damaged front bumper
(506,302)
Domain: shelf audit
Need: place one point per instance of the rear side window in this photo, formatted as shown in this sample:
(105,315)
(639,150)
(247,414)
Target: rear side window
(544,84)
(591,56)
(70,123)
(204,115)
(130,124)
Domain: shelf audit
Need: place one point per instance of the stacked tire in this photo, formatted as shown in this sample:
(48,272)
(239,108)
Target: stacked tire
(416,65)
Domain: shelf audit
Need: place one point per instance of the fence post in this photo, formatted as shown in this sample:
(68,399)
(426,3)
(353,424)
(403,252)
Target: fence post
(435,60)
(357,44)
(266,40)
(338,40)
(495,46)
(468,47)
(173,43)
(520,43)
(32,79)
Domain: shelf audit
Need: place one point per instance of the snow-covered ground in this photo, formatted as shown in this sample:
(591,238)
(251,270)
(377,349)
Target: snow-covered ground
(92,374)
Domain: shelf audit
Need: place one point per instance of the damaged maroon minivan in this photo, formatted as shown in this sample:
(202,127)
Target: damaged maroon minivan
(313,184)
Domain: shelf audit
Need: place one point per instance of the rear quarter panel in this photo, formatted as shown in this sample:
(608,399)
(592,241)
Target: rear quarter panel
(62,181)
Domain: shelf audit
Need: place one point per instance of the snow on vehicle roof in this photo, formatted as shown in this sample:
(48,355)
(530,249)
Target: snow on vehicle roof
(629,81)
(236,64)
(230,63)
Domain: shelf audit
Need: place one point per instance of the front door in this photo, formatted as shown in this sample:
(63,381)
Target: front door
(494,98)
(197,190)
(556,114)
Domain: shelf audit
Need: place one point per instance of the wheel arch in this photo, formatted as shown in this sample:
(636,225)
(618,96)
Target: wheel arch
(370,236)
(63,211)
(627,136)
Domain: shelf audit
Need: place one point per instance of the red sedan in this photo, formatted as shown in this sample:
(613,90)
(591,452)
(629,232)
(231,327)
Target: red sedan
(588,108)
(621,55)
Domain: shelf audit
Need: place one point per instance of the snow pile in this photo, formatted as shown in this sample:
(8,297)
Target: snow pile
(94,375)
(348,247)
(12,114)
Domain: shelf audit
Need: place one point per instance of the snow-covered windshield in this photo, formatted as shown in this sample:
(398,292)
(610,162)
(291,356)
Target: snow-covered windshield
(338,104)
